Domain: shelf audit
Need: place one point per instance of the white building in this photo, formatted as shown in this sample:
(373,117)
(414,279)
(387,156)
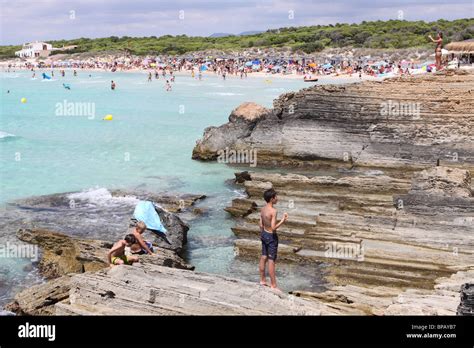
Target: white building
(35,49)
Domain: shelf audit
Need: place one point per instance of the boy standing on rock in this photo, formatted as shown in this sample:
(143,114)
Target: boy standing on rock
(269,237)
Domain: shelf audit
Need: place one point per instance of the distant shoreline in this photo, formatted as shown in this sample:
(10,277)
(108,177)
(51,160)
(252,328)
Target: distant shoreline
(258,74)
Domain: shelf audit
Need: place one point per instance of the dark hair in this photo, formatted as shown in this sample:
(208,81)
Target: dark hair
(440,34)
(269,194)
(130,238)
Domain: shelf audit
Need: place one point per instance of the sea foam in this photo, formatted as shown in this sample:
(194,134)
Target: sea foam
(6,135)
(100,196)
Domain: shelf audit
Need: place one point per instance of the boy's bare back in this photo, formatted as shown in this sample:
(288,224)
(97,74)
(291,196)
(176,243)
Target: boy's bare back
(118,249)
(268,214)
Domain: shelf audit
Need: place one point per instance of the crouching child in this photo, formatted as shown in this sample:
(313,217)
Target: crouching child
(116,255)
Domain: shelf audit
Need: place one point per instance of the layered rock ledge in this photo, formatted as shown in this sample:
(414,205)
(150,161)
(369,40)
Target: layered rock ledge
(153,290)
(408,123)
(83,284)
(376,230)
(62,257)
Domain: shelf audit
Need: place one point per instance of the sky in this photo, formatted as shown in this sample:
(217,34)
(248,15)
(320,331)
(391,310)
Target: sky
(29,20)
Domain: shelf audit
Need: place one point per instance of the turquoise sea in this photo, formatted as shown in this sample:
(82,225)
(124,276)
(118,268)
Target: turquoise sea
(147,146)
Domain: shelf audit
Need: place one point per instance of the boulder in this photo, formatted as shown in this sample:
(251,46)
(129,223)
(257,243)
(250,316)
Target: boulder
(248,112)
(176,237)
(466,306)
(241,123)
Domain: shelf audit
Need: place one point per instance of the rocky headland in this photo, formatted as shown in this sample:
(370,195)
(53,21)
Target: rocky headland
(376,178)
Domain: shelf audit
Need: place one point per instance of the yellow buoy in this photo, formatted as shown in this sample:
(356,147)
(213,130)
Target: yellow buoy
(108,117)
(23,100)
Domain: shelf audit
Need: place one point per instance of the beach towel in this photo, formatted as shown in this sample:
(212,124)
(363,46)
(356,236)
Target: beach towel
(145,211)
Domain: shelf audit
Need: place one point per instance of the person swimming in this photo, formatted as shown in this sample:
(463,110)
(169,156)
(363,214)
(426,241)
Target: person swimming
(168,86)
(112,85)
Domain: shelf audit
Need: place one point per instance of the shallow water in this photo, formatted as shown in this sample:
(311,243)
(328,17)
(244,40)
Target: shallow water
(146,147)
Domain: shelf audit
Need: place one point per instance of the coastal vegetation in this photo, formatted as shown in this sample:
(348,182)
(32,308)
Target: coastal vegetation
(390,34)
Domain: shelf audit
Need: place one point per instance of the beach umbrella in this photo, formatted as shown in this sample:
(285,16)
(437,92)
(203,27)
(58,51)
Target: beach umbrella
(248,64)
(203,68)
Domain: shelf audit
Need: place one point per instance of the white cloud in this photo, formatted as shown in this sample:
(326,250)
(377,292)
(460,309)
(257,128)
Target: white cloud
(26,20)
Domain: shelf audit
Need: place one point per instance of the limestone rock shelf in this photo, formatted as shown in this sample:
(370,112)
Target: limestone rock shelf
(371,228)
(153,290)
(359,125)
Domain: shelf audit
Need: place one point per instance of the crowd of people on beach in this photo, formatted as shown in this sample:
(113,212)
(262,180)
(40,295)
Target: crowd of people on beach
(232,67)
(239,67)
(306,67)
